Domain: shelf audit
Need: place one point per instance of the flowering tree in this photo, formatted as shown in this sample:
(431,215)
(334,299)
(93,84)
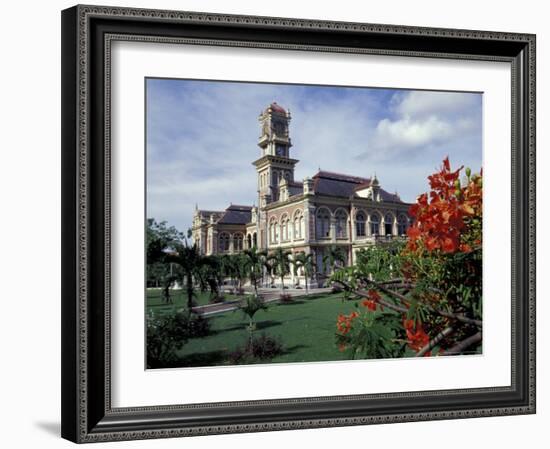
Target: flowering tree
(424,298)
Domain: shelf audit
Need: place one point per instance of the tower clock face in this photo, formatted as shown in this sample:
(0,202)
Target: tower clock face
(280,150)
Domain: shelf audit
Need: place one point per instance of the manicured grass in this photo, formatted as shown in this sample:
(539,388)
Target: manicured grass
(306,328)
(179,300)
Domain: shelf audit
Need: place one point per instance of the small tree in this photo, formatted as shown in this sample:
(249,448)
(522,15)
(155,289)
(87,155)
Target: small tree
(240,269)
(281,264)
(250,305)
(210,277)
(191,262)
(306,263)
(160,239)
(255,266)
(269,269)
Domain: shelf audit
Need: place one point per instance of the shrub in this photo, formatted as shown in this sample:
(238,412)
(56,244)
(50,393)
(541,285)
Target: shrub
(198,326)
(262,347)
(168,333)
(165,335)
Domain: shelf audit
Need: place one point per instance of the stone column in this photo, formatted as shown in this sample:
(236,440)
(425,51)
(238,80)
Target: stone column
(332,228)
(309,223)
(214,237)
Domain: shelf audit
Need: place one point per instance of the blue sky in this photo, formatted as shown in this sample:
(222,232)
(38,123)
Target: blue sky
(202,138)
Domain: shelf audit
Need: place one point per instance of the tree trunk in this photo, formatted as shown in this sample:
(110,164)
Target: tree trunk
(190,292)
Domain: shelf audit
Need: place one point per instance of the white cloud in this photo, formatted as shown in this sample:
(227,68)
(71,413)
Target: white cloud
(408,133)
(420,122)
(426,103)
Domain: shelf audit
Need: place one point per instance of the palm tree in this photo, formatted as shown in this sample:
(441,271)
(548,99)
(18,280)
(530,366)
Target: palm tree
(211,277)
(306,262)
(249,306)
(227,268)
(191,261)
(334,255)
(268,264)
(281,264)
(240,263)
(255,265)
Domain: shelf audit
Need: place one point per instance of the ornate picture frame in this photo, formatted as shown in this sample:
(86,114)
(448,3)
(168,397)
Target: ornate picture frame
(87,35)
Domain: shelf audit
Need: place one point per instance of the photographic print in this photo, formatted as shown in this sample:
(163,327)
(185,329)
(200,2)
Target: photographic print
(303,223)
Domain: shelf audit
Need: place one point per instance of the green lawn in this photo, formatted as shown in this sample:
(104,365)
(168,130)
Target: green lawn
(179,298)
(306,327)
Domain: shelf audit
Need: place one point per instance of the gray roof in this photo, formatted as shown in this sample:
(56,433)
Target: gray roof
(295,188)
(235,214)
(345,186)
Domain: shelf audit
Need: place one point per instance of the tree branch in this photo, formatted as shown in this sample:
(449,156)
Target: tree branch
(444,333)
(406,301)
(464,344)
(444,313)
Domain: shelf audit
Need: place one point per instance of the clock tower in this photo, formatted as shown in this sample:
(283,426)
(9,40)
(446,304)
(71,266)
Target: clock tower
(274,163)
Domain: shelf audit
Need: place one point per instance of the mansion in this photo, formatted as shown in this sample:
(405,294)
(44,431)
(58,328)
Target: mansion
(311,215)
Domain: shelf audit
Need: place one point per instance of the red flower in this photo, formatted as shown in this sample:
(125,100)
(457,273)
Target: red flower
(442,217)
(416,336)
(413,232)
(344,322)
(374,295)
(372,300)
(449,245)
(432,244)
(369,304)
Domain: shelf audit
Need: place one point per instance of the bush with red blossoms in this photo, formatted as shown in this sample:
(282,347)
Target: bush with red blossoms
(425,297)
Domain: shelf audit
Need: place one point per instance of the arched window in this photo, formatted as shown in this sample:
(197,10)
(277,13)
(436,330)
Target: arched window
(322,224)
(237,242)
(254,240)
(249,241)
(302,227)
(341,219)
(285,223)
(223,242)
(402,224)
(375,224)
(273,231)
(297,225)
(360,220)
(388,224)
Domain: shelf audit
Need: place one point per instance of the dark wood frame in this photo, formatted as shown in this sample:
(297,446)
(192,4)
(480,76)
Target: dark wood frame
(87,32)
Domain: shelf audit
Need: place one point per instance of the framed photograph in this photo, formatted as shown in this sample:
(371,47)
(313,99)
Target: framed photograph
(277,223)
